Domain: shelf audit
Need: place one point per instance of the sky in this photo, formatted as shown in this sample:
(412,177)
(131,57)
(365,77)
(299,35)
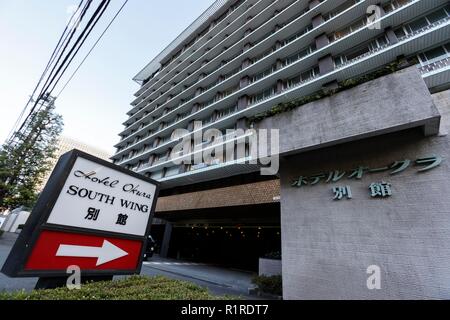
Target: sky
(95,103)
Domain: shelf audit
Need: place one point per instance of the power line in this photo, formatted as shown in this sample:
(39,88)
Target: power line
(70,55)
(92,48)
(59,69)
(52,76)
(82,42)
(81,38)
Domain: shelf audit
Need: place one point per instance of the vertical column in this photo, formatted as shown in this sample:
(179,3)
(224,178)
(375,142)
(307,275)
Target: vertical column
(246,63)
(322,41)
(244,82)
(317,20)
(326,64)
(278,45)
(392,37)
(242,102)
(156,142)
(241,124)
(313,3)
(195,107)
(279,86)
(166,240)
(151,159)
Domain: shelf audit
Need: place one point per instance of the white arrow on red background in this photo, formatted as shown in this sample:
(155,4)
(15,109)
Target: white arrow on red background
(106,253)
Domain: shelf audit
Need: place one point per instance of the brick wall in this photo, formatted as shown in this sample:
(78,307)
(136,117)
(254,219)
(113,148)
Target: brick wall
(244,194)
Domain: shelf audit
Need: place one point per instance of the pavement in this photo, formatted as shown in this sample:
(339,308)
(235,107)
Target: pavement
(12,284)
(219,280)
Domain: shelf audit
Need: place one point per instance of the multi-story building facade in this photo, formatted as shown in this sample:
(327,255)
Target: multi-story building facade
(241,58)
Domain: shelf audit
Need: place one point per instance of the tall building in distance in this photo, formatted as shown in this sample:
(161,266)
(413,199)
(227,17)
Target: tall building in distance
(66,144)
(242,58)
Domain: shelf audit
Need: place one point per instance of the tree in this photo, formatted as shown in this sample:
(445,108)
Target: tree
(25,161)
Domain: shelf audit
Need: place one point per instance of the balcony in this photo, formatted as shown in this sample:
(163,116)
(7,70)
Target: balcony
(435,66)
(223,23)
(290,27)
(200,53)
(263,19)
(408,45)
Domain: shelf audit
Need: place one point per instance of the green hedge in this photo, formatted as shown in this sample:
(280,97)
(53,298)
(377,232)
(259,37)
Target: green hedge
(274,255)
(131,288)
(269,284)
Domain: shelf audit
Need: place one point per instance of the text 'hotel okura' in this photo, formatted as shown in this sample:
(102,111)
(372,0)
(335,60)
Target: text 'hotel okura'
(345,104)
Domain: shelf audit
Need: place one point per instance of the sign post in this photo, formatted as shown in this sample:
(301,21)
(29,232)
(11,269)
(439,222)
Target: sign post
(91,214)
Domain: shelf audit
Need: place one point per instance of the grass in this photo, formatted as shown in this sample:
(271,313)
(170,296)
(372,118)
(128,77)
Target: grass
(131,288)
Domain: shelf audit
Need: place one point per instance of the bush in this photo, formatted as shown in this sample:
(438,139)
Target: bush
(1,233)
(342,86)
(131,288)
(275,255)
(268,284)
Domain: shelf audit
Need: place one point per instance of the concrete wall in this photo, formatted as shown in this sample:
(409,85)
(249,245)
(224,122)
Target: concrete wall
(327,245)
(269,267)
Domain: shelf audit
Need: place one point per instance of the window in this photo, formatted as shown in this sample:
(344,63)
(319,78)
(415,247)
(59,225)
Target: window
(172,171)
(224,112)
(421,23)
(435,54)
(303,77)
(263,95)
(436,16)
(157,174)
(263,74)
(349,29)
(297,56)
(394,5)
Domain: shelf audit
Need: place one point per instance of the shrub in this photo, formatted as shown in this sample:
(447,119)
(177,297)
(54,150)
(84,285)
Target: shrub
(275,255)
(130,288)
(1,233)
(269,284)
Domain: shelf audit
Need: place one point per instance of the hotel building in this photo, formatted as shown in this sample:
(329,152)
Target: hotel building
(242,58)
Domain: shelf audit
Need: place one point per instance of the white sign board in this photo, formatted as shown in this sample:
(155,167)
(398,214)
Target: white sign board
(100,198)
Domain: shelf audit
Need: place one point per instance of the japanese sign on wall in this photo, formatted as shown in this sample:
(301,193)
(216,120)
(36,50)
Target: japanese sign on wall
(380,189)
(92,214)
